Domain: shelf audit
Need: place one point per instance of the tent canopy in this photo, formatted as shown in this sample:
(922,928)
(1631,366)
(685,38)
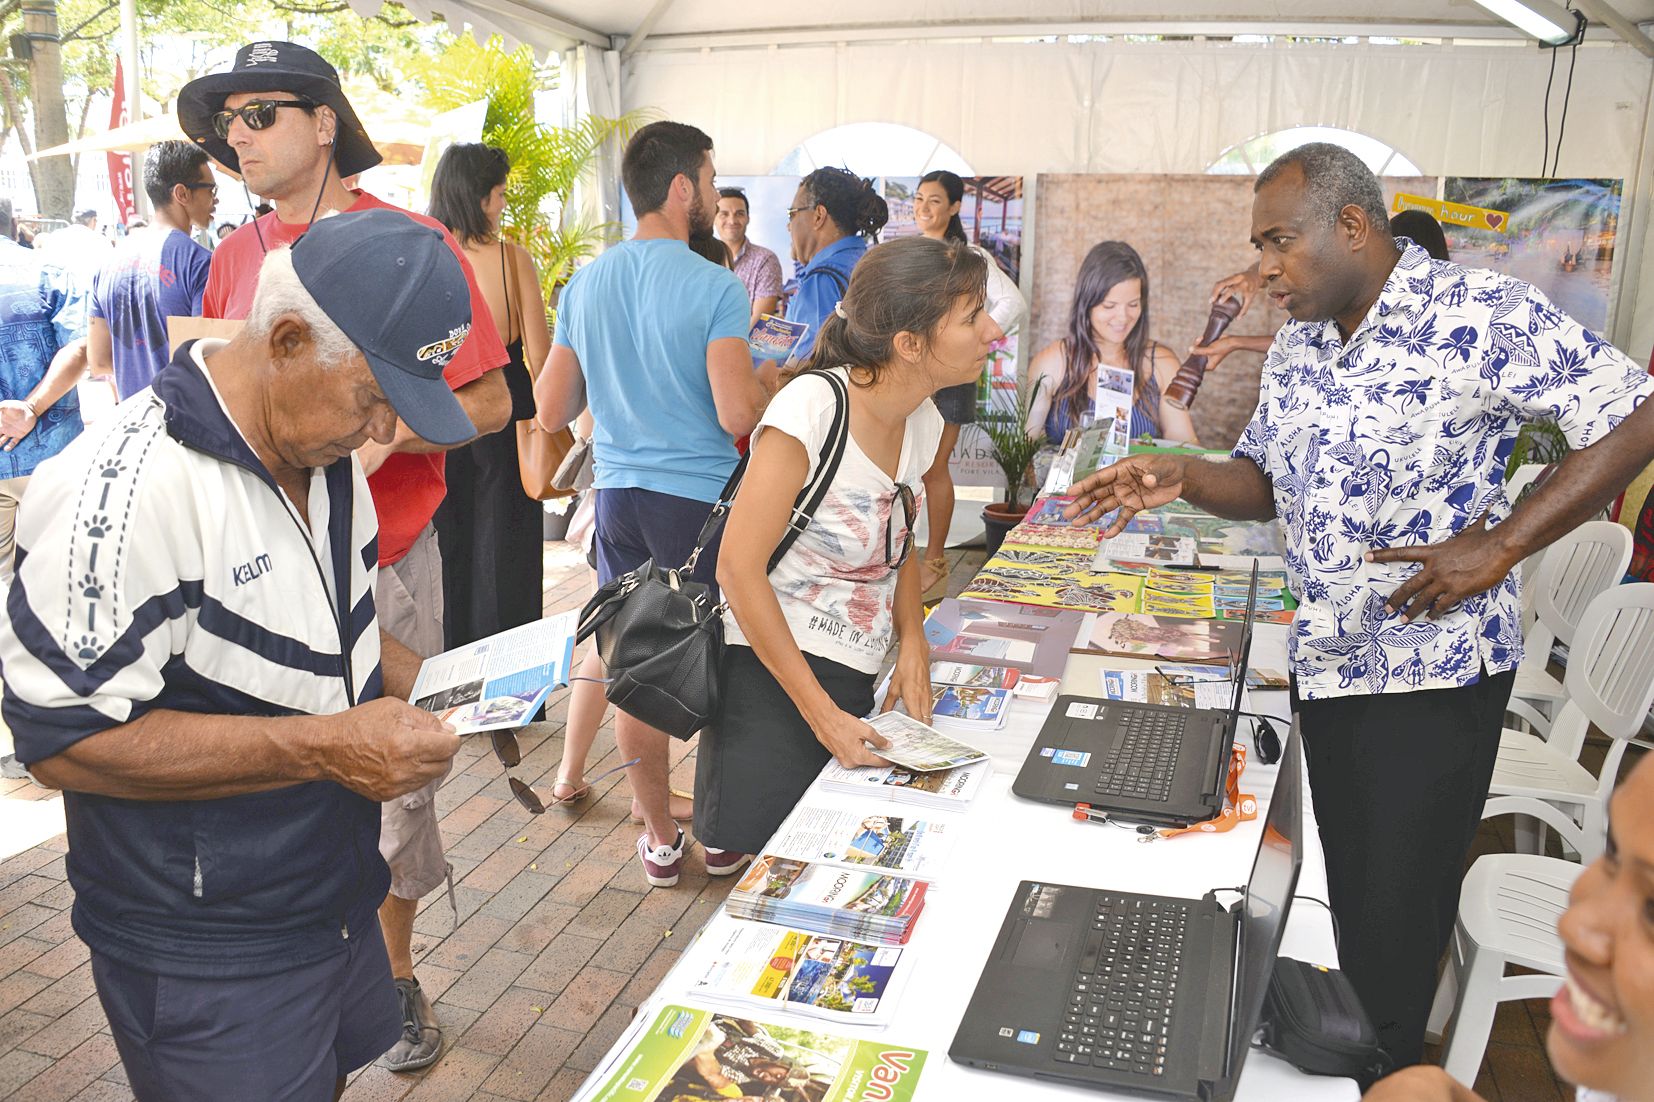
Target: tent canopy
(686,24)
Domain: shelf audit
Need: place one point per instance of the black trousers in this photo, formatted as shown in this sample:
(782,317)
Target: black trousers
(1399,781)
(758,755)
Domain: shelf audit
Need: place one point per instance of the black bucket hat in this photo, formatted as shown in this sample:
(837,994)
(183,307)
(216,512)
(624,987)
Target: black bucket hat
(275,67)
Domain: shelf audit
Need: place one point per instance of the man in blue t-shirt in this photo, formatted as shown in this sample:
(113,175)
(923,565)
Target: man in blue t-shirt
(157,273)
(654,338)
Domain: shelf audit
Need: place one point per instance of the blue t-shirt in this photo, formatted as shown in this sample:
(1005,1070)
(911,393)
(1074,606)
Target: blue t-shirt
(42,308)
(821,285)
(639,318)
(154,275)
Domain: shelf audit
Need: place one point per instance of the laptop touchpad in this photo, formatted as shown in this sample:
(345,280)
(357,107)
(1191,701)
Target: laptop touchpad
(1043,944)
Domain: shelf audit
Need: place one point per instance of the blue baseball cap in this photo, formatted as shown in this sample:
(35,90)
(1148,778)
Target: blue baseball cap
(397,291)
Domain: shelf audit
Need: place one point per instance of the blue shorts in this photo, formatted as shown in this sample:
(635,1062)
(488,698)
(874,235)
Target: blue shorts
(289,1036)
(637,525)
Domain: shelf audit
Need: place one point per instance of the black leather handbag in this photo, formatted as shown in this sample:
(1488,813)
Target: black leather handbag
(659,632)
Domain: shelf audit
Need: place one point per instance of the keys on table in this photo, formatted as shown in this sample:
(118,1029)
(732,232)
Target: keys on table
(1120,1009)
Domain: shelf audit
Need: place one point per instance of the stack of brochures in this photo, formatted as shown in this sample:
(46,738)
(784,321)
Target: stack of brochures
(872,836)
(920,747)
(755,964)
(947,789)
(828,900)
(684,1053)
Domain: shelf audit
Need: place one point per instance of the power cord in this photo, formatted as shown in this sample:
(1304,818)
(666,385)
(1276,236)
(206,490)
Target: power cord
(1567,93)
(1330,914)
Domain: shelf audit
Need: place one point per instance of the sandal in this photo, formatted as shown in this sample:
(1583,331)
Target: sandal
(936,573)
(569,792)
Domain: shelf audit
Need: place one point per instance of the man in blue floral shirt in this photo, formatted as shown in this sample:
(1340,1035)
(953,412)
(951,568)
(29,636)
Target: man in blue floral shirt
(42,357)
(1388,408)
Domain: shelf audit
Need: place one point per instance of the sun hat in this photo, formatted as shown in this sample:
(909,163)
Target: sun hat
(275,67)
(395,288)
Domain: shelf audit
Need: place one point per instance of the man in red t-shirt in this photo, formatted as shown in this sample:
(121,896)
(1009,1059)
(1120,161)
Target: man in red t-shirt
(279,118)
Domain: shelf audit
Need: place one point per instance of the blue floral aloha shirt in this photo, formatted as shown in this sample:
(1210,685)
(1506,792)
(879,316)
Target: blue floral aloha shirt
(1400,437)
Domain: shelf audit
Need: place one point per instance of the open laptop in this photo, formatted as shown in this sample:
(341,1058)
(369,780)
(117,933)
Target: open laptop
(1148,763)
(1141,993)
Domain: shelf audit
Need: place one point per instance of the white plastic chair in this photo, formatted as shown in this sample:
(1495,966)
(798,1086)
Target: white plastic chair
(1610,683)
(1507,916)
(1572,571)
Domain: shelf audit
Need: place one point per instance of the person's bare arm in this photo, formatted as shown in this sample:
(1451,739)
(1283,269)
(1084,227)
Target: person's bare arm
(18,418)
(100,348)
(1420,1084)
(1047,373)
(486,401)
(737,391)
(381,749)
(398,665)
(758,518)
(560,391)
(536,333)
(1243,287)
(1175,424)
(764,304)
(1219,349)
(910,679)
(1479,557)
(1235,489)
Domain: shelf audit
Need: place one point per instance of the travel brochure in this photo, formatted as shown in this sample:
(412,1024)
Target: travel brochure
(1168,550)
(680,1054)
(776,339)
(501,681)
(946,789)
(793,971)
(975,677)
(828,899)
(1175,638)
(1052,579)
(871,837)
(917,746)
(1148,687)
(989,633)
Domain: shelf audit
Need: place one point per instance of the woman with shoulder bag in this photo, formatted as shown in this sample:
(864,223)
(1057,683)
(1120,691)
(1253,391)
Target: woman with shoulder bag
(490,530)
(806,640)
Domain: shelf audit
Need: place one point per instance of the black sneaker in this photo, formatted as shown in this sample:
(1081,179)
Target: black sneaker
(421,1041)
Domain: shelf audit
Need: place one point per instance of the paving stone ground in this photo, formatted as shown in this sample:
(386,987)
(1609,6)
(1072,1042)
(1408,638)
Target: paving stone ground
(558,937)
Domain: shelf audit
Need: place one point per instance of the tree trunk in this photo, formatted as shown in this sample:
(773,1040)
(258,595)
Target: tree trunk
(55,180)
(15,124)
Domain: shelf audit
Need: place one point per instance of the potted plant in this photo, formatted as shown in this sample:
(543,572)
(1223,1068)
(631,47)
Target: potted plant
(1006,427)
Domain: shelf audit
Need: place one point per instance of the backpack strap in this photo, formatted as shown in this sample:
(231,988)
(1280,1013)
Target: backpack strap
(809,498)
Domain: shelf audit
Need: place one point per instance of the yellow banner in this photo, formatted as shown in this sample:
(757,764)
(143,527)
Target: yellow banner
(1455,214)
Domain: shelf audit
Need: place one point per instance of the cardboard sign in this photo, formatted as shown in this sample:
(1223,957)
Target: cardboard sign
(1455,214)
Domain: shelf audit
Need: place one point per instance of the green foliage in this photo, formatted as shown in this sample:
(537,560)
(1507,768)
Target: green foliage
(1536,442)
(1005,426)
(546,161)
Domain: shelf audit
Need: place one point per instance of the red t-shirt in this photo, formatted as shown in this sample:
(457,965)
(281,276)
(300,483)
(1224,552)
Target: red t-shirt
(407,488)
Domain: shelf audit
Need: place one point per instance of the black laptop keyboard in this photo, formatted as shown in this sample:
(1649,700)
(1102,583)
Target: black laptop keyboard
(1119,1014)
(1141,766)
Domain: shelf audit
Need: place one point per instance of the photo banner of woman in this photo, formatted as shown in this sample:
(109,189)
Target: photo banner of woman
(1188,232)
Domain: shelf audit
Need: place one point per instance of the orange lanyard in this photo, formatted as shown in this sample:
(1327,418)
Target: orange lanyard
(1238,807)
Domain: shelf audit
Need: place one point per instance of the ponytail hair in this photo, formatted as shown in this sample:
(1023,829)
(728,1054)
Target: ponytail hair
(904,286)
(954,188)
(851,202)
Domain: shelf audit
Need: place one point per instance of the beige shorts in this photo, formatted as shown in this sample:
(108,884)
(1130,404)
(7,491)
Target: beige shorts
(408,600)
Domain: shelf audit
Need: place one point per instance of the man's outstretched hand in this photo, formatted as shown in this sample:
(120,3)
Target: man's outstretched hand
(1131,485)
(1472,562)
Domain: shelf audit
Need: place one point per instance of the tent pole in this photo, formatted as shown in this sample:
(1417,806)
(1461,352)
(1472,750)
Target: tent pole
(1606,14)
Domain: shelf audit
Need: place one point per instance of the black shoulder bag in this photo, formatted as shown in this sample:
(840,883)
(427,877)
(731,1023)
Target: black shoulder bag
(660,634)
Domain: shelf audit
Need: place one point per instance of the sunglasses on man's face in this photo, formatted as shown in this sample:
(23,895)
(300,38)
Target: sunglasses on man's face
(258,115)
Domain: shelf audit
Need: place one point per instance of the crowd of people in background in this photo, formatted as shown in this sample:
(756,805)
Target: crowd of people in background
(255,608)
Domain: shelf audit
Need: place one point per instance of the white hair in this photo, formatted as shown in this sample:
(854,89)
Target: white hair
(280,292)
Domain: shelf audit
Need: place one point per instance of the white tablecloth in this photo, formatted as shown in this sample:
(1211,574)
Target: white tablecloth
(1002,840)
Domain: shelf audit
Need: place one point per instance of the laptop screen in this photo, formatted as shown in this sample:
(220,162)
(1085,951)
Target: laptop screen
(1237,664)
(1268,895)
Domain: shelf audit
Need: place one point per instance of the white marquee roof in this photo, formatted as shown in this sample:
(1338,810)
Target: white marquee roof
(669,24)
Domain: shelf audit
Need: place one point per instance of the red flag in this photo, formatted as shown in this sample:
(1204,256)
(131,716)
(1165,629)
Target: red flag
(120,164)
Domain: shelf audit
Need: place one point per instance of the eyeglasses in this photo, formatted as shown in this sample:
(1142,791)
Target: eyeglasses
(511,756)
(204,187)
(258,114)
(893,558)
(794,211)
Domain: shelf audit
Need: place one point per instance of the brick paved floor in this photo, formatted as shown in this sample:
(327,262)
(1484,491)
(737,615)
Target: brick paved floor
(558,938)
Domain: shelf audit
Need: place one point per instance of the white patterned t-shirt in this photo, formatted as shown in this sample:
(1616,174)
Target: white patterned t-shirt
(1400,437)
(833,584)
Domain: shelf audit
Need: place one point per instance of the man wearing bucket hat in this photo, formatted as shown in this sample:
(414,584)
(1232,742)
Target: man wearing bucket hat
(190,652)
(279,117)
